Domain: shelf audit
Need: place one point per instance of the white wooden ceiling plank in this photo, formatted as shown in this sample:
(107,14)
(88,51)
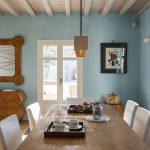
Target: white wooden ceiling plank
(107,7)
(16,7)
(87,7)
(126,7)
(8,8)
(140,11)
(47,6)
(68,7)
(26,5)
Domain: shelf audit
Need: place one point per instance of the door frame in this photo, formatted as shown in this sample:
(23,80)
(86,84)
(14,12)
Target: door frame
(40,43)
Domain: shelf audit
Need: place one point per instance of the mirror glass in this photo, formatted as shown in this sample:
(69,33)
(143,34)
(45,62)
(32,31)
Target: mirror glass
(7,60)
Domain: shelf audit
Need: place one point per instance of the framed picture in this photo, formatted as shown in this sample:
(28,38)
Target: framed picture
(113,57)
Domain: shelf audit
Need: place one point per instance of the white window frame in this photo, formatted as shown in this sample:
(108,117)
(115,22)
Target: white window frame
(60,43)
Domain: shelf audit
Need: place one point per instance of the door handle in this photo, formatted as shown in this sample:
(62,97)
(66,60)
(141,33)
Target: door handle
(61,81)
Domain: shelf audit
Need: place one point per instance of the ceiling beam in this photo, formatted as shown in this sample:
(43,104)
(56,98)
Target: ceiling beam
(26,5)
(47,7)
(6,6)
(68,7)
(126,7)
(87,7)
(107,7)
(140,11)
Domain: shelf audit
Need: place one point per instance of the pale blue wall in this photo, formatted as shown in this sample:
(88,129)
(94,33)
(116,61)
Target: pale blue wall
(145,60)
(99,29)
(107,29)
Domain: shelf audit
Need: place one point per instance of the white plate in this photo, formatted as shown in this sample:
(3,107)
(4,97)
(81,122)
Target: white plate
(76,128)
(102,118)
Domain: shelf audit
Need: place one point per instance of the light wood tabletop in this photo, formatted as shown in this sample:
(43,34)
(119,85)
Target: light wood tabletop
(112,135)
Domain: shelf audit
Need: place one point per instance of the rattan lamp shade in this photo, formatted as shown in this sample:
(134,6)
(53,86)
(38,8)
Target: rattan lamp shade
(81,45)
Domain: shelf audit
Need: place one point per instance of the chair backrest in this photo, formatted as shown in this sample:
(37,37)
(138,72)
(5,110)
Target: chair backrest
(79,100)
(10,133)
(34,114)
(141,122)
(129,112)
(147,135)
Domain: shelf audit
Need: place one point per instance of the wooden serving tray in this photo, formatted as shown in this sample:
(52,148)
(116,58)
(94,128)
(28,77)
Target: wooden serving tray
(71,110)
(71,133)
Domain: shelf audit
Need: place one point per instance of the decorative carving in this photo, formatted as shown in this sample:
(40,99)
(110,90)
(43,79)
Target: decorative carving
(11,102)
(10,53)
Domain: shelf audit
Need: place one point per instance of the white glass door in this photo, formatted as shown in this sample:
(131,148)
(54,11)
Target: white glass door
(60,72)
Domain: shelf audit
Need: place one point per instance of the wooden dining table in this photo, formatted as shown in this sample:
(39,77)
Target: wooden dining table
(112,135)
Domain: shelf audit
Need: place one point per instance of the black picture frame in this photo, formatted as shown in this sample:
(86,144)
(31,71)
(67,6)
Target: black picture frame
(114,58)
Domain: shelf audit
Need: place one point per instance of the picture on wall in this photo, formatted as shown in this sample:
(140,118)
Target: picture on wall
(114,58)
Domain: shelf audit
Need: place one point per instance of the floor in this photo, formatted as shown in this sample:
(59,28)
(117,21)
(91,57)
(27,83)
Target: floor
(24,125)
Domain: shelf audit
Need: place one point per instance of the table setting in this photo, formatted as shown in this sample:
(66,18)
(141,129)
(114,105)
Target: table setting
(74,128)
(102,128)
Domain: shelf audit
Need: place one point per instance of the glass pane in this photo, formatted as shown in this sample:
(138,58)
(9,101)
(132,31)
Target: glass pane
(7,60)
(49,92)
(68,51)
(49,51)
(50,70)
(50,79)
(69,78)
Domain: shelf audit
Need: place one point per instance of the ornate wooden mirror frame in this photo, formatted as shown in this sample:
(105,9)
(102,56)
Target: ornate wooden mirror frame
(16,44)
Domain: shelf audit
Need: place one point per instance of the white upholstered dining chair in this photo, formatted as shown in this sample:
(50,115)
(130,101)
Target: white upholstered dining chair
(147,135)
(129,112)
(34,114)
(141,124)
(79,100)
(10,133)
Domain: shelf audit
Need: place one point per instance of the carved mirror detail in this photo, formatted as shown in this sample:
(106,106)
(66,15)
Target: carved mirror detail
(10,60)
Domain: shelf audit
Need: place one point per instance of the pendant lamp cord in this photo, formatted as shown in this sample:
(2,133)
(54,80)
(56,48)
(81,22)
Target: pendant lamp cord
(80,17)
